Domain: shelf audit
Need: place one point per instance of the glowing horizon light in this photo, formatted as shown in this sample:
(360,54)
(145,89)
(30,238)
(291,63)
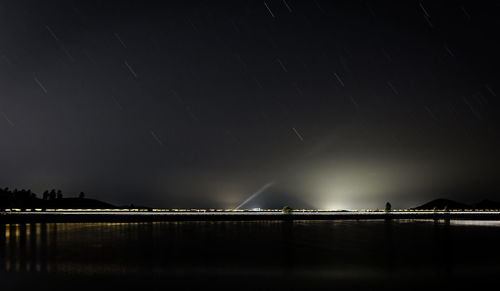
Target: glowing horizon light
(337,207)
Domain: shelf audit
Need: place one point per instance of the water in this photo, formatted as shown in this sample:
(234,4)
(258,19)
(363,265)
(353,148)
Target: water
(250,255)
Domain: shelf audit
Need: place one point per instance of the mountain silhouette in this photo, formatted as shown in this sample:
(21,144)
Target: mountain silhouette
(64,203)
(442,204)
(27,199)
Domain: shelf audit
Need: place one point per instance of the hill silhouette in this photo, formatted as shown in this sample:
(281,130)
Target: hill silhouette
(442,204)
(73,203)
(454,205)
(53,199)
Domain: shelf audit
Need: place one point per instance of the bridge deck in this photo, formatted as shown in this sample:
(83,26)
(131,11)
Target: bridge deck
(154,215)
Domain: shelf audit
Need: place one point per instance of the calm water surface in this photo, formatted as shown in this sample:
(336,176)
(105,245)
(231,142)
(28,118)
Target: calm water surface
(250,255)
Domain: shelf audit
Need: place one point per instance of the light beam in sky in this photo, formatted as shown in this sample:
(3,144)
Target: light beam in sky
(260,191)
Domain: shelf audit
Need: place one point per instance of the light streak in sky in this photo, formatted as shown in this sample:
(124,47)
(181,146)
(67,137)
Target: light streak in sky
(260,191)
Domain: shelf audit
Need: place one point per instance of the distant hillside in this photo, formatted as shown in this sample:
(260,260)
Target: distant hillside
(27,199)
(79,203)
(450,204)
(442,204)
(69,203)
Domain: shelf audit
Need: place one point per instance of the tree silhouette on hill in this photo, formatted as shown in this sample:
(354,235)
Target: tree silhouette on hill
(52,194)
(27,199)
(45,195)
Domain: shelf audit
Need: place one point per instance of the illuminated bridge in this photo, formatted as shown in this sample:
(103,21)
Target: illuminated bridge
(126,215)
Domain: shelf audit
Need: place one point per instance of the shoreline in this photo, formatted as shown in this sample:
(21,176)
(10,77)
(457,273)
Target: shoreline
(150,216)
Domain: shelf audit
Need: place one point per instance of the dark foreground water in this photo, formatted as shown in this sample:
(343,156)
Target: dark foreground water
(250,255)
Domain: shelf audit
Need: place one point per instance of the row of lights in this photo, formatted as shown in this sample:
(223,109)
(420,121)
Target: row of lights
(237,210)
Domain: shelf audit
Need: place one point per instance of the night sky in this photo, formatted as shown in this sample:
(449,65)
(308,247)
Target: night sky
(325,104)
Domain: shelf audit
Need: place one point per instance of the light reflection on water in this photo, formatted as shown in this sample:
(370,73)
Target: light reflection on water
(308,250)
(476,222)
